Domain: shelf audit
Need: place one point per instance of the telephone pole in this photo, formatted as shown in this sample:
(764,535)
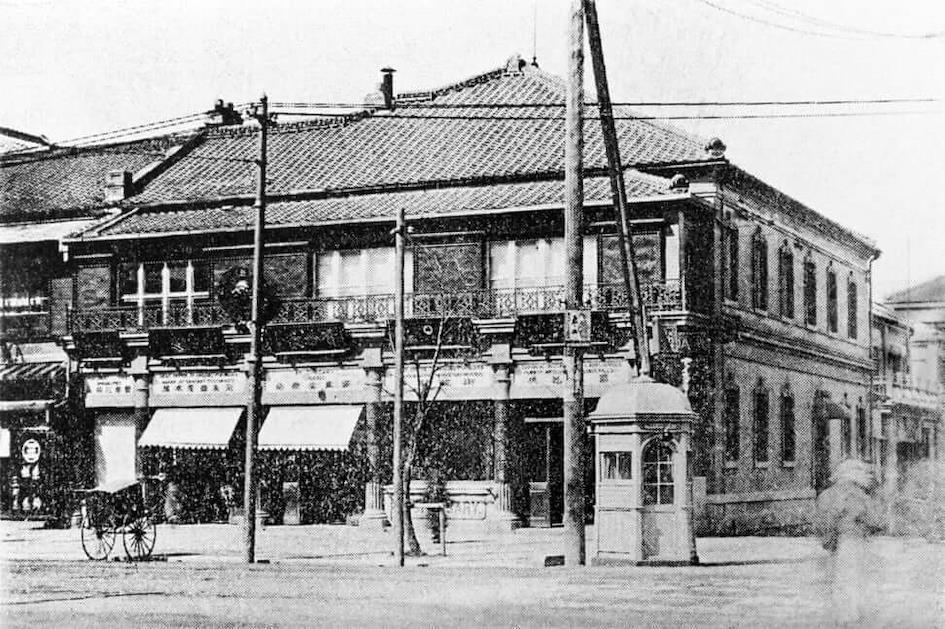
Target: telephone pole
(254,359)
(398,508)
(618,189)
(573,395)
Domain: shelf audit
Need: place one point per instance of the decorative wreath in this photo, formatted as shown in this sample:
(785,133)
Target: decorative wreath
(235,293)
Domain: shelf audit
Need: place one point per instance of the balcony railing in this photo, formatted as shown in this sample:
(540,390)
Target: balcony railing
(482,304)
(905,389)
(21,325)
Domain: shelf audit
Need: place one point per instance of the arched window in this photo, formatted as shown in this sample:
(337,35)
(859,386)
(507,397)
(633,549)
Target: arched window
(761,423)
(810,291)
(730,260)
(831,299)
(657,473)
(862,433)
(788,435)
(759,271)
(731,416)
(852,307)
(786,280)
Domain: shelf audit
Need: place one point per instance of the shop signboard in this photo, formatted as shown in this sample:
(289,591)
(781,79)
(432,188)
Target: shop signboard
(545,378)
(109,390)
(318,385)
(450,381)
(30,451)
(197,388)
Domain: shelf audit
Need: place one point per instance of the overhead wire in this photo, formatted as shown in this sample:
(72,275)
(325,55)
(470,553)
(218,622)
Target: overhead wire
(798,15)
(795,29)
(525,105)
(838,114)
(281,108)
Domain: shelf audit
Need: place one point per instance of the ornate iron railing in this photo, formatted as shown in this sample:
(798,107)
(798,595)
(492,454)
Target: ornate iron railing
(484,304)
(19,325)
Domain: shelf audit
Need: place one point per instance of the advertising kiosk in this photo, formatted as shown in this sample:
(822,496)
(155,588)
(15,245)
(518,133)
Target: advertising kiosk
(641,433)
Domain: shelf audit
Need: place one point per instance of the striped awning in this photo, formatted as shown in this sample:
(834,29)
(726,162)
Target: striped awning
(191,428)
(15,372)
(309,427)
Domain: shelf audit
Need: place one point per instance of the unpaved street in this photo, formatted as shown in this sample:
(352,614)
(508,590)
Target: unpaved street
(905,589)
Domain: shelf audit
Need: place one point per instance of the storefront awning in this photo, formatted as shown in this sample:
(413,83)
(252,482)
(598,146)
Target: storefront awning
(193,428)
(309,427)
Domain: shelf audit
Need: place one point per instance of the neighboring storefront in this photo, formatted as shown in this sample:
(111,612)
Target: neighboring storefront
(36,465)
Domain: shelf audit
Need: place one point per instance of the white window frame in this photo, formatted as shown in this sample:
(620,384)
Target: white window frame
(141,298)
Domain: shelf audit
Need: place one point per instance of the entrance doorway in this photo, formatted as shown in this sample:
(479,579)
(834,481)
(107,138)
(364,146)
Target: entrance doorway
(545,471)
(659,512)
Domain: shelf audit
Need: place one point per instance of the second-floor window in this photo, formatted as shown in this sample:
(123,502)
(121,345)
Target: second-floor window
(731,282)
(852,307)
(786,281)
(831,300)
(810,292)
(759,271)
(359,272)
(533,263)
(761,424)
(145,283)
(540,262)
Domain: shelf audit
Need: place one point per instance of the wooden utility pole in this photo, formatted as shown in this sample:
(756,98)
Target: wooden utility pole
(618,190)
(398,507)
(573,394)
(254,359)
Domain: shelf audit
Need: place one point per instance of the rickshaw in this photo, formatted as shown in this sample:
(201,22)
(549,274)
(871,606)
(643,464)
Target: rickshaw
(118,508)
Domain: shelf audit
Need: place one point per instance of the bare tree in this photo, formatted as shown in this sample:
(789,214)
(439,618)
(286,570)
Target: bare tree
(426,387)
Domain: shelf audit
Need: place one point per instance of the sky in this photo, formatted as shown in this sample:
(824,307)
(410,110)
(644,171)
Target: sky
(71,69)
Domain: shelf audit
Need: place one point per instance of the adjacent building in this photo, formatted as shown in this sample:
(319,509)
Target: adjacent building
(47,194)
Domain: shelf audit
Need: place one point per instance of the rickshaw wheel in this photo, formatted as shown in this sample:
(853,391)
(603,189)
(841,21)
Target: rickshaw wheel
(138,537)
(98,538)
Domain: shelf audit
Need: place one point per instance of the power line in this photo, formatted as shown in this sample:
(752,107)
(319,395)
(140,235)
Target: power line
(821,33)
(838,114)
(798,15)
(706,103)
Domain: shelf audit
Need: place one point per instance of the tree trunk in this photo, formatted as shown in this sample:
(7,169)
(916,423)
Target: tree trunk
(410,534)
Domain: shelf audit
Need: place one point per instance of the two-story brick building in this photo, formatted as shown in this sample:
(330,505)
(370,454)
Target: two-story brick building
(762,302)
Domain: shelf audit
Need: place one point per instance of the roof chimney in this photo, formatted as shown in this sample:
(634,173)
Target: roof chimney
(224,115)
(387,87)
(118,186)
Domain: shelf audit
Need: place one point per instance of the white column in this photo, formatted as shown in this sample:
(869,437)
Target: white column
(190,291)
(141,293)
(165,292)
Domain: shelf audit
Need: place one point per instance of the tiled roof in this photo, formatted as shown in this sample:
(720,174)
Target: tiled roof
(67,183)
(931,291)
(430,202)
(440,141)
(12,233)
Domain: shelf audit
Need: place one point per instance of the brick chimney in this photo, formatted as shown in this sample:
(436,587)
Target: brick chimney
(387,87)
(118,186)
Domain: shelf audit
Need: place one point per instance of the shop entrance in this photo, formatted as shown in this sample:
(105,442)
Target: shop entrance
(545,473)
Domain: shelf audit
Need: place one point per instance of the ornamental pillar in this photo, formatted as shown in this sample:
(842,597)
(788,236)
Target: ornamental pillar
(373,515)
(140,401)
(504,517)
